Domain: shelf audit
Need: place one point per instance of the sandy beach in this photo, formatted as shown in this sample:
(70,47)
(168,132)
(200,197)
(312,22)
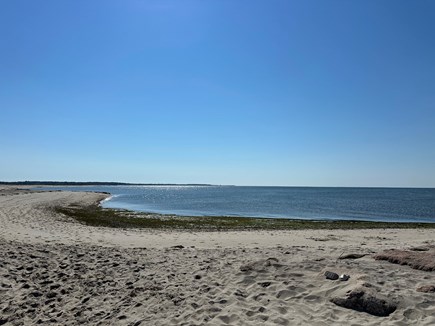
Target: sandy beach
(54,270)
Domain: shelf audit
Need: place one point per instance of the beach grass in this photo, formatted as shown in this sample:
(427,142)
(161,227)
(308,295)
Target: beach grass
(94,215)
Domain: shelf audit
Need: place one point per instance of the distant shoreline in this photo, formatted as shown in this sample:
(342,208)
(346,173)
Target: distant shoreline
(110,183)
(91,183)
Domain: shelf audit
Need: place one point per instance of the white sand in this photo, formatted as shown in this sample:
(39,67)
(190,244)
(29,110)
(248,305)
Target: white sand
(56,271)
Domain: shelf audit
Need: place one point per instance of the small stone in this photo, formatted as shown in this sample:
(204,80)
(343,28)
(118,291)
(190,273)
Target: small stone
(344,277)
(331,275)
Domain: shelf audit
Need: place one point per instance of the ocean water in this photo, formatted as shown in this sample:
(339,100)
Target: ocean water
(368,204)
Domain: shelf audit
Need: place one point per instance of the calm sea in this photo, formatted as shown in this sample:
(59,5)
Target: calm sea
(370,204)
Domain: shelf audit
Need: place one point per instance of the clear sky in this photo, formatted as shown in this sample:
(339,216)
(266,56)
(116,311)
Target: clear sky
(272,92)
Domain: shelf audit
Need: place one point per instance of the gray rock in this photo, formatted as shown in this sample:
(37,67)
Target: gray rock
(331,275)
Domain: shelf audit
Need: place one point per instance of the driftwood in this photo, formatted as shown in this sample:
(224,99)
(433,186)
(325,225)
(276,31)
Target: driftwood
(352,256)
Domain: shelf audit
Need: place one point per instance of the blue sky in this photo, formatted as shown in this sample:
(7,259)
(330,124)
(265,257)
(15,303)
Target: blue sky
(315,93)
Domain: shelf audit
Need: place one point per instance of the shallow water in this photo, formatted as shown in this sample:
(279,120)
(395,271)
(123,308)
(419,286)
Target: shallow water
(369,204)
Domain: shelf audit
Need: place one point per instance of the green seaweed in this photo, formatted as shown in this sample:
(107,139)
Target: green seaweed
(94,215)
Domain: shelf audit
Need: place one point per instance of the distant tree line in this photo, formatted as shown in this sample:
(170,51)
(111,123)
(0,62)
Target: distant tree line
(73,183)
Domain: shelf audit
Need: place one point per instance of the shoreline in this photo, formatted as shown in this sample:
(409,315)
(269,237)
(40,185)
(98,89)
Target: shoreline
(57,271)
(281,223)
(99,216)
(263,223)
(364,216)
(41,206)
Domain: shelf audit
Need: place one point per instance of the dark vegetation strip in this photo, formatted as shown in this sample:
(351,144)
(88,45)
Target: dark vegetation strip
(94,215)
(92,183)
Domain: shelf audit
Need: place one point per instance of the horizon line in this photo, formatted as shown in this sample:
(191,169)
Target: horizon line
(118,183)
